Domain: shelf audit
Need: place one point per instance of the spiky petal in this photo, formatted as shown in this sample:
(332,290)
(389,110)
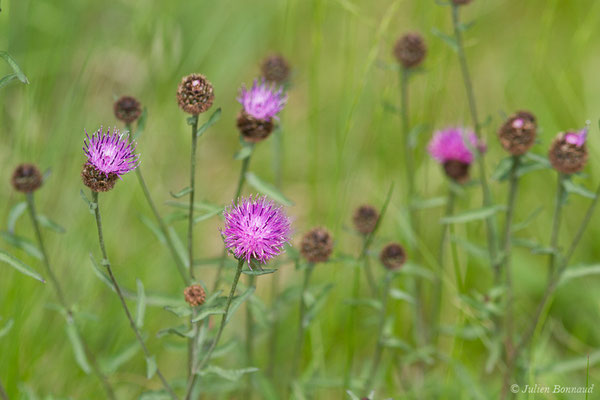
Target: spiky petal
(255,228)
(449,145)
(577,138)
(110,153)
(262,101)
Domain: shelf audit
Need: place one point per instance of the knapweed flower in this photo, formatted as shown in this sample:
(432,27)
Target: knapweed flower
(316,245)
(255,228)
(518,132)
(410,50)
(568,152)
(127,109)
(194,295)
(195,94)
(365,219)
(260,106)
(393,256)
(275,68)
(108,157)
(26,178)
(448,147)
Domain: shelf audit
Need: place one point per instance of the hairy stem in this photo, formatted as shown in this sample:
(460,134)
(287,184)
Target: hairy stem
(206,359)
(487,196)
(134,327)
(301,327)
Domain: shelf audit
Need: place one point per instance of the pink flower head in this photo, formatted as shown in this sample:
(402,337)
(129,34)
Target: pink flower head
(110,154)
(255,228)
(449,144)
(262,101)
(577,138)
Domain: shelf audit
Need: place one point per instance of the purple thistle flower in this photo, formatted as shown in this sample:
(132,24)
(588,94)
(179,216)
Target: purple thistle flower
(577,138)
(110,154)
(255,229)
(262,101)
(449,145)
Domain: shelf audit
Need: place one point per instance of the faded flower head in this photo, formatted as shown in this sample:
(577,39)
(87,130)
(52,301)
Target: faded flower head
(365,219)
(255,228)
(449,148)
(518,132)
(393,256)
(108,157)
(194,295)
(275,68)
(195,94)
(262,101)
(127,109)
(410,50)
(568,152)
(316,245)
(26,178)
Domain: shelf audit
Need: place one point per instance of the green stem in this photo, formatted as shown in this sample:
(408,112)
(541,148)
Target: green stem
(3,394)
(556,222)
(214,343)
(379,348)
(274,325)
(301,327)
(487,196)
(369,273)
(249,337)
(61,297)
(134,327)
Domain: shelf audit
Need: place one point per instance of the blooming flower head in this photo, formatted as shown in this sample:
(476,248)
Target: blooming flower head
(262,101)
(568,153)
(577,138)
(255,228)
(449,145)
(110,153)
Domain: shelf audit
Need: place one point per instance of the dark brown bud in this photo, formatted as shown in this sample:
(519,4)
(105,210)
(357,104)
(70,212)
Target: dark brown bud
(194,295)
(254,130)
(275,69)
(26,178)
(410,50)
(365,218)
(195,94)
(393,256)
(461,2)
(316,245)
(567,157)
(97,180)
(456,170)
(518,132)
(127,109)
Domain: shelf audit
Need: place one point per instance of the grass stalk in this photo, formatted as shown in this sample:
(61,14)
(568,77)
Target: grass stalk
(301,327)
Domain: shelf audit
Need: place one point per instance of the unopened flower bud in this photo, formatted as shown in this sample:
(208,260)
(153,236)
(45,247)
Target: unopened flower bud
(195,94)
(365,218)
(393,256)
(518,132)
(316,245)
(26,178)
(127,109)
(194,295)
(410,50)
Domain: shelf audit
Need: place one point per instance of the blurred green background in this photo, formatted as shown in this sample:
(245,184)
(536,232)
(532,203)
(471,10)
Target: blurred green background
(343,147)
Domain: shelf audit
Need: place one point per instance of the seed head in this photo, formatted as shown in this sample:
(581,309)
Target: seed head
(316,245)
(194,295)
(26,178)
(410,50)
(255,228)
(518,132)
(275,68)
(195,94)
(365,218)
(254,130)
(448,147)
(568,152)
(393,256)
(127,109)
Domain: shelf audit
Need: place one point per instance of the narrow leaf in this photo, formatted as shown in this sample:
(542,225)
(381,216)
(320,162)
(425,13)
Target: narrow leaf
(181,193)
(77,346)
(211,121)
(22,243)
(472,215)
(7,79)
(141,125)
(256,272)
(141,304)
(15,67)
(6,328)
(401,295)
(151,366)
(574,188)
(230,374)
(449,40)
(20,266)
(205,312)
(580,272)
(48,223)
(14,215)
(267,189)
(237,301)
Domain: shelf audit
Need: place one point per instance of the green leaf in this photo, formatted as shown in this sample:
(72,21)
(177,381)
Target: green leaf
(375,304)
(205,312)
(20,266)
(352,395)
(211,121)
(153,227)
(183,256)
(256,272)
(449,40)
(573,188)
(208,215)
(113,363)
(181,331)
(77,346)
(395,343)
(6,328)
(141,124)
(245,151)
(233,375)
(180,311)
(22,243)
(48,223)
(15,212)
(151,366)
(503,169)
(472,215)
(267,189)
(141,304)
(181,193)
(92,206)
(401,295)
(238,300)
(318,303)
(15,67)
(580,272)
(7,79)
(429,203)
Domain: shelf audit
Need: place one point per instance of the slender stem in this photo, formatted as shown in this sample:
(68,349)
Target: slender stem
(214,343)
(437,302)
(249,338)
(556,222)
(369,270)
(301,327)
(408,153)
(61,297)
(134,327)
(3,394)
(487,197)
(278,156)
(274,325)
(379,348)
